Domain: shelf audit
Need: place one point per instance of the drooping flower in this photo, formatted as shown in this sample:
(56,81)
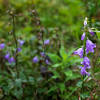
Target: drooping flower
(79,52)
(35,59)
(2,45)
(90,46)
(85,22)
(19,49)
(86,62)
(46,42)
(91,32)
(11,60)
(83,36)
(21,42)
(84,72)
(7,56)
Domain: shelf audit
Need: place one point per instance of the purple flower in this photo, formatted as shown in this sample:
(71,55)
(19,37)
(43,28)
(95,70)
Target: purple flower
(85,21)
(79,52)
(7,56)
(46,42)
(19,49)
(91,32)
(21,42)
(84,72)
(35,59)
(86,62)
(47,62)
(2,45)
(90,46)
(11,60)
(83,36)
(42,54)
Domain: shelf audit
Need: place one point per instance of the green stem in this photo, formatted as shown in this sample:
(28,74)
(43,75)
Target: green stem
(15,39)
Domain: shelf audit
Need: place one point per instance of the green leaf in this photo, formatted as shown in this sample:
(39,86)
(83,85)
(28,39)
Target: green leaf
(69,73)
(52,89)
(56,65)
(98,33)
(63,53)
(56,75)
(18,82)
(79,84)
(85,95)
(54,58)
(62,86)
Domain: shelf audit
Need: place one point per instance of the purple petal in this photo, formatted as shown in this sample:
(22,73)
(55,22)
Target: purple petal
(84,72)
(2,45)
(86,62)
(83,36)
(11,60)
(19,49)
(21,42)
(90,46)
(47,62)
(35,59)
(79,52)
(46,42)
(7,56)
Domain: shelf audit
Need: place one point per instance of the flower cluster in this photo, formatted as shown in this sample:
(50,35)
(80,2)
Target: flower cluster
(42,54)
(21,42)
(8,56)
(87,48)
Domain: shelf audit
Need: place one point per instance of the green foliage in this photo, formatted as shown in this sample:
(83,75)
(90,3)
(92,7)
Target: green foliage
(61,22)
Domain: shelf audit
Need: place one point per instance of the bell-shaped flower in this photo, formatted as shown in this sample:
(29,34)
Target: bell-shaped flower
(19,49)
(35,59)
(11,60)
(2,45)
(7,56)
(83,71)
(46,42)
(83,36)
(79,52)
(86,62)
(90,46)
(21,42)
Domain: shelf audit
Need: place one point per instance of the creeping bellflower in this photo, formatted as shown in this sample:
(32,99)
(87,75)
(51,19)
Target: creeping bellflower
(11,60)
(86,62)
(19,49)
(79,52)
(90,46)
(35,59)
(83,36)
(2,45)
(46,42)
(7,56)
(21,42)
(84,72)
